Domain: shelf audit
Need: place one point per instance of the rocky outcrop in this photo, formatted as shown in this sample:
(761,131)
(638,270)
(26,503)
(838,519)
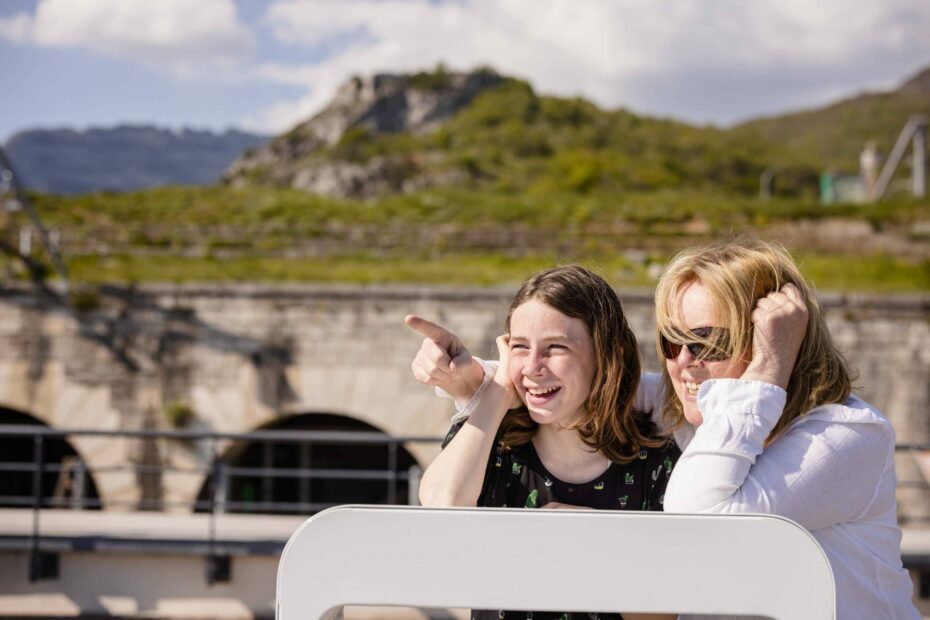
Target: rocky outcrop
(379,104)
(919,84)
(395,104)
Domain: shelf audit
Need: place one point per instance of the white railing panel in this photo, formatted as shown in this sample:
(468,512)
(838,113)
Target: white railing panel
(553,560)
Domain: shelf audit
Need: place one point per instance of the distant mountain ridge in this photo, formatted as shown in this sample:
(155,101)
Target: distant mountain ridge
(122,158)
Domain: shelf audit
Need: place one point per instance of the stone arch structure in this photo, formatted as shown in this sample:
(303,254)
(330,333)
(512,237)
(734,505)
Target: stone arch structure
(66,481)
(254,491)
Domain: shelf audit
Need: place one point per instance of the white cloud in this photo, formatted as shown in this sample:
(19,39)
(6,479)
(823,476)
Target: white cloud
(702,61)
(281,116)
(617,52)
(16,28)
(186,38)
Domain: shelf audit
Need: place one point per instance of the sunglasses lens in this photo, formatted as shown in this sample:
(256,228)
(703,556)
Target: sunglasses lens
(698,350)
(670,349)
(707,353)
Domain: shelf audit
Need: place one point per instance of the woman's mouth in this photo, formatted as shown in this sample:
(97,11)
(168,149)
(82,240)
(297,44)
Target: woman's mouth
(541,395)
(692,388)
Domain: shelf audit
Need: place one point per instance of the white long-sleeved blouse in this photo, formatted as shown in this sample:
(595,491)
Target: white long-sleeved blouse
(831,470)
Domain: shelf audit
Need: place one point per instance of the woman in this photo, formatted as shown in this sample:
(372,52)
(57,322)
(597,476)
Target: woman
(758,397)
(556,425)
(751,368)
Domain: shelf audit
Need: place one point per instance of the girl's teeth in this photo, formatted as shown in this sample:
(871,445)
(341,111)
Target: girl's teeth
(692,387)
(542,391)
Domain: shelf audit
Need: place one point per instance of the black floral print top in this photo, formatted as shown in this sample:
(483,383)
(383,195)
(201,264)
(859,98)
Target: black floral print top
(518,479)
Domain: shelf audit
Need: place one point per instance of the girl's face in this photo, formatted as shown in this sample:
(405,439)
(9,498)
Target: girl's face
(695,310)
(552,362)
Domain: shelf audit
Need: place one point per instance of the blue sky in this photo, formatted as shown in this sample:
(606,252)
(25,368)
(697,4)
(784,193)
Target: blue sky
(264,66)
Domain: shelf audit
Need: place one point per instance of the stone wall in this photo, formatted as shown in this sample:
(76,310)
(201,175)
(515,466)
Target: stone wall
(243,356)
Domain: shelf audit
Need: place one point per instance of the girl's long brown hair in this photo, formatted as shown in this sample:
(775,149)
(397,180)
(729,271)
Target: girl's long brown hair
(610,425)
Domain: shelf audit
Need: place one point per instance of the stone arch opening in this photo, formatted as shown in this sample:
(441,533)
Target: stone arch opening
(253,491)
(66,481)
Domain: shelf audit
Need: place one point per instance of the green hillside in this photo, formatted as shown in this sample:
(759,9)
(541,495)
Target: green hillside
(510,139)
(832,137)
(512,182)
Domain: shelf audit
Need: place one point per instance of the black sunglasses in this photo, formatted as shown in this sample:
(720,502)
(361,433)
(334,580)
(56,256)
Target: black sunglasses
(699,348)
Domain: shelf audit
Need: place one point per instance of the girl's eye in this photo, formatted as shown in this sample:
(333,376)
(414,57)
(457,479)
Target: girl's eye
(560,347)
(516,346)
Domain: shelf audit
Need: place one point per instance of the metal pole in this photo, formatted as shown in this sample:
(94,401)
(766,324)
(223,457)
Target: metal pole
(38,465)
(77,485)
(919,171)
(765,183)
(25,241)
(392,472)
(211,528)
(303,484)
(23,198)
(221,486)
(267,473)
(414,475)
(908,134)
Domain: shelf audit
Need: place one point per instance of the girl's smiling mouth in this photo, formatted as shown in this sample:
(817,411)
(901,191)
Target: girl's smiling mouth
(541,395)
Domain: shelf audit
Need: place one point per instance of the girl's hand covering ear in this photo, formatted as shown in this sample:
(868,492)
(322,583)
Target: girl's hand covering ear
(502,376)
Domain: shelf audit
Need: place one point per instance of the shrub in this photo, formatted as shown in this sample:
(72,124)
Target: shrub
(179,415)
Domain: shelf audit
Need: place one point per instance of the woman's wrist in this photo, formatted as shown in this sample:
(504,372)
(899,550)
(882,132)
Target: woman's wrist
(771,373)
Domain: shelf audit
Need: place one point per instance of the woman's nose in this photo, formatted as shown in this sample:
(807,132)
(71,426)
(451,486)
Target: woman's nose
(685,357)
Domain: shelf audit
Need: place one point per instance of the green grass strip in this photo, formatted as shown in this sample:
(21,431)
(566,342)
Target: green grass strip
(828,273)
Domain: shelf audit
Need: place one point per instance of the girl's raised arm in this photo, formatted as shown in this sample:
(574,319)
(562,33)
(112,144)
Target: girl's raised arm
(456,475)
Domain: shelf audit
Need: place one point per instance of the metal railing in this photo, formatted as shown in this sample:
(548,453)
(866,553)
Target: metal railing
(74,480)
(220,472)
(219,475)
(73,475)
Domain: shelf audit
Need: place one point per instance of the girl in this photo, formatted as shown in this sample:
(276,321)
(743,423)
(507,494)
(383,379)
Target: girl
(556,425)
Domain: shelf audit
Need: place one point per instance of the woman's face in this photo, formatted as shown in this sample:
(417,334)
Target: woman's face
(696,309)
(551,362)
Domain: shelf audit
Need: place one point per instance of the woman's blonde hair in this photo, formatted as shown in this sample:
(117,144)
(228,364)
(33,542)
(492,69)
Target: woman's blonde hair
(610,425)
(737,274)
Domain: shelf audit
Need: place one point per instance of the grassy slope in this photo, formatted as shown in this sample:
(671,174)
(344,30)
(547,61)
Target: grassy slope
(304,214)
(827,272)
(218,233)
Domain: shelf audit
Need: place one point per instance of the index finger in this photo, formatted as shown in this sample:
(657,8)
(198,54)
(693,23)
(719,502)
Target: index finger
(438,334)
